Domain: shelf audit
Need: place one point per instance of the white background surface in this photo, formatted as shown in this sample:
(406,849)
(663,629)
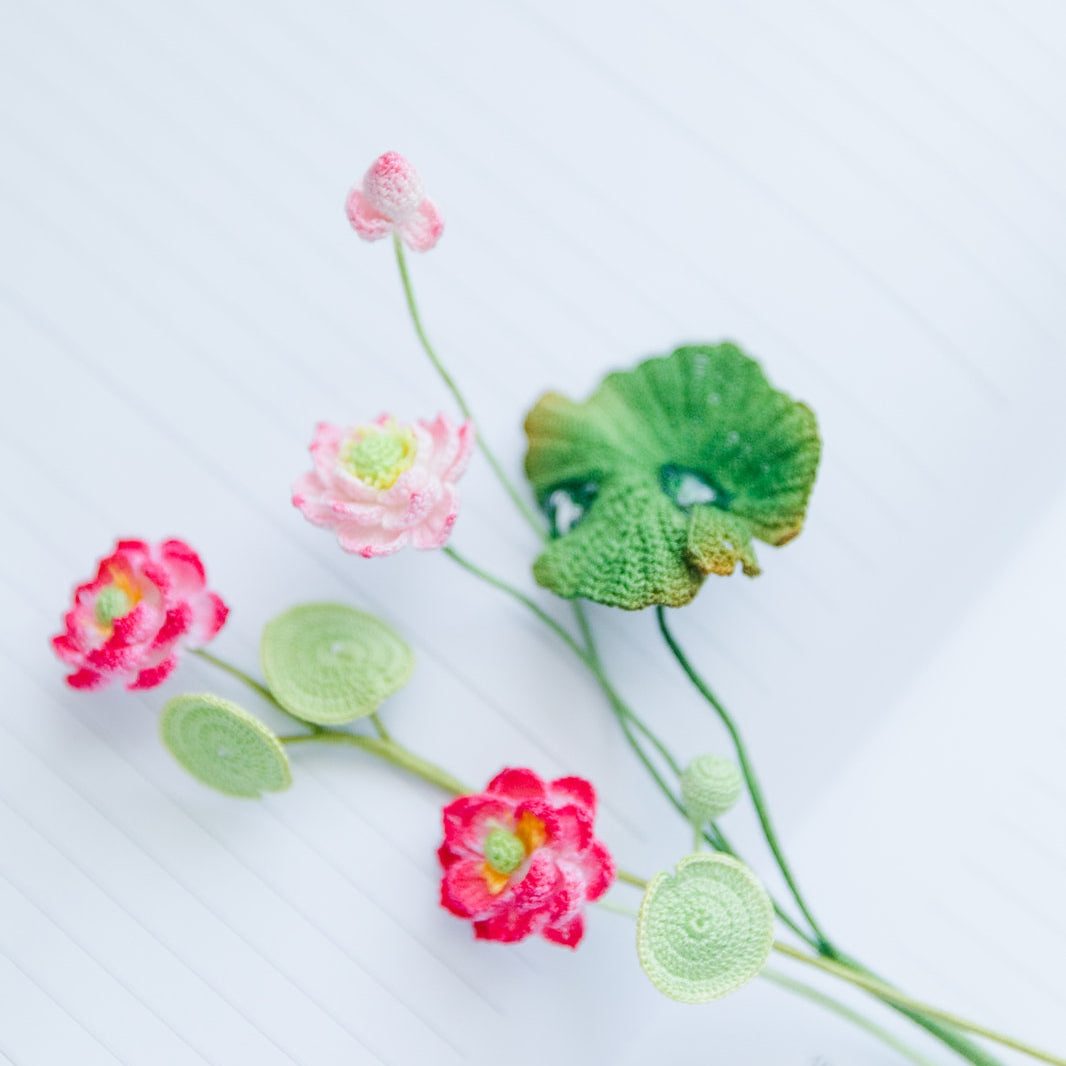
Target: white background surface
(868,197)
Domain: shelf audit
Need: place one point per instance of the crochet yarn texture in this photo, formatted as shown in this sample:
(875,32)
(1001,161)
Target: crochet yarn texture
(710,787)
(330,664)
(705,932)
(224,746)
(665,474)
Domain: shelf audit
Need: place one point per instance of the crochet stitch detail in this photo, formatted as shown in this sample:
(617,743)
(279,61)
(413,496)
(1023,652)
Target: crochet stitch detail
(329,664)
(665,474)
(705,932)
(224,746)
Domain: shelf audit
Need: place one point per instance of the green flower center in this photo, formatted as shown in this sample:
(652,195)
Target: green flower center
(380,454)
(111,603)
(504,851)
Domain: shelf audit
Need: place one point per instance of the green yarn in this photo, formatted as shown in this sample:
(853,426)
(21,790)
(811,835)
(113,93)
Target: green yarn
(666,474)
(710,787)
(111,603)
(504,852)
(705,932)
(330,664)
(224,746)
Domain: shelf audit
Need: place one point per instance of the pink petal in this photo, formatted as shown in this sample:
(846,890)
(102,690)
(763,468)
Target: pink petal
(567,933)
(392,187)
(573,790)
(436,527)
(569,827)
(368,223)
(86,680)
(176,624)
(423,229)
(184,566)
(468,820)
(598,868)
(211,615)
(370,542)
(154,675)
(465,892)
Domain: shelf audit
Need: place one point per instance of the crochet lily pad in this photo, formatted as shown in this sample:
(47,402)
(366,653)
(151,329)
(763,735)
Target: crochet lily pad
(666,474)
(224,746)
(330,664)
(705,932)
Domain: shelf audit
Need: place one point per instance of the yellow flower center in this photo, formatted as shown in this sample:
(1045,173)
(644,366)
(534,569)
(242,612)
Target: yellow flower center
(115,600)
(378,455)
(505,851)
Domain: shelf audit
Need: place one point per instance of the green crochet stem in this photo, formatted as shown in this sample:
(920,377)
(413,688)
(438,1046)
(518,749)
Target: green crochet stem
(391,752)
(256,686)
(898,999)
(518,499)
(846,1012)
(748,770)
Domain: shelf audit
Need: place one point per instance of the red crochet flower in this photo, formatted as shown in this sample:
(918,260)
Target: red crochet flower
(129,622)
(520,858)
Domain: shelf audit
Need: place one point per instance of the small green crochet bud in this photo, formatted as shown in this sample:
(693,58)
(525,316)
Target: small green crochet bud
(710,786)
(504,852)
(111,603)
(224,746)
(705,932)
(330,664)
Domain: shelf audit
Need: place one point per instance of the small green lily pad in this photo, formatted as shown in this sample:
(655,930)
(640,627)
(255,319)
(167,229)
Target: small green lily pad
(224,746)
(705,932)
(329,664)
(667,474)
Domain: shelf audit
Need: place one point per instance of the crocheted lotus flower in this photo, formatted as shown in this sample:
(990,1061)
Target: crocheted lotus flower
(385,484)
(130,622)
(392,199)
(666,474)
(521,859)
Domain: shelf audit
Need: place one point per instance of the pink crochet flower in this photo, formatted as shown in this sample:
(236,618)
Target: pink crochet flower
(129,622)
(385,485)
(520,858)
(391,199)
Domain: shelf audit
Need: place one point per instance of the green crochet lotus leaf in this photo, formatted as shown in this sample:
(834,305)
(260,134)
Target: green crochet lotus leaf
(666,474)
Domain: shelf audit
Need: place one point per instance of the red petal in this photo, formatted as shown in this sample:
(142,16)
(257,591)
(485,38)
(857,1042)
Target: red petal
(517,785)
(573,790)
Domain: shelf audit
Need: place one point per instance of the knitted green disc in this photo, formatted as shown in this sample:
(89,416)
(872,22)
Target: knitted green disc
(710,786)
(329,664)
(705,932)
(666,474)
(224,746)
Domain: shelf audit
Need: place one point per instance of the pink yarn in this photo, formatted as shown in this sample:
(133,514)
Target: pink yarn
(409,497)
(555,864)
(392,198)
(129,623)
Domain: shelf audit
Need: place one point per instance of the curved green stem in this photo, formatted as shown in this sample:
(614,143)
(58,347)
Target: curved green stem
(255,686)
(631,879)
(748,770)
(846,1012)
(515,594)
(391,752)
(379,726)
(524,508)
(891,995)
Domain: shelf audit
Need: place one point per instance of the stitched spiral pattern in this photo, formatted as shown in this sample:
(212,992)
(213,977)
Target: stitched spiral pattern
(329,664)
(705,932)
(222,745)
